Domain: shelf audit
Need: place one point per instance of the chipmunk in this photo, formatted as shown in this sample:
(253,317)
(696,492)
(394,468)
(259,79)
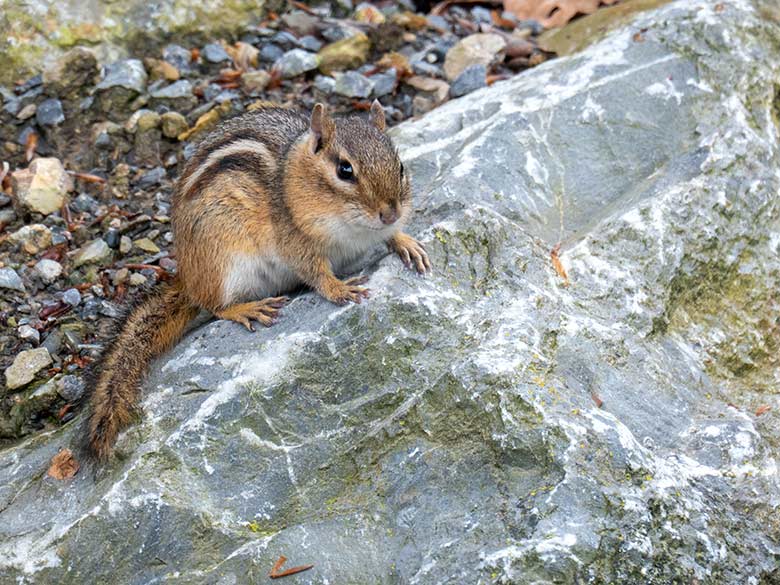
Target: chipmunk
(271,200)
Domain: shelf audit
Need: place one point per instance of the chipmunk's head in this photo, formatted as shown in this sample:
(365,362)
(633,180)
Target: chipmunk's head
(355,170)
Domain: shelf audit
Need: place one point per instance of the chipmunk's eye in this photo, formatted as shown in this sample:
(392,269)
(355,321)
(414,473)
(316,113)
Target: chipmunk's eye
(402,170)
(344,171)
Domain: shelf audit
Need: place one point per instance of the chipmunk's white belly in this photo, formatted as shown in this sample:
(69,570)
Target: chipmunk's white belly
(252,278)
(350,243)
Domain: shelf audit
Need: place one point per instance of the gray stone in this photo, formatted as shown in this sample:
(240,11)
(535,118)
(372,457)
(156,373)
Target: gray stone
(352,84)
(385,82)
(472,78)
(9,279)
(70,388)
(48,270)
(214,53)
(29,334)
(25,366)
(72,297)
(488,423)
(85,203)
(325,84)
(49,112)
(296,62)
(310,43)
(128,74)
(179,57)
(176,90)
(94,252)
(270,53)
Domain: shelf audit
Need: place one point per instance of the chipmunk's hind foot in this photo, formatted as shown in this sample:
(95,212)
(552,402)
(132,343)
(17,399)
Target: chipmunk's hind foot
(265,312)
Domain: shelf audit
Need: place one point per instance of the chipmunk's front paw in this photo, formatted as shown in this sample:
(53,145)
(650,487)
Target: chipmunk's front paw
(265,312)
(411,251)
(343,292)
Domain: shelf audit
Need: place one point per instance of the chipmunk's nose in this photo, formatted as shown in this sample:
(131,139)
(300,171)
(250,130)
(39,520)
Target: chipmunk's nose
(388,214)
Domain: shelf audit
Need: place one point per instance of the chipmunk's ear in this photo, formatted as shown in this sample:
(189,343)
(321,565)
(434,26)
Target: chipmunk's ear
(322,127)
(376,115)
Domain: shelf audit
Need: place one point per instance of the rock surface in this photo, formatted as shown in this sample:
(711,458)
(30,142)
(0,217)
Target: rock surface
(488,424)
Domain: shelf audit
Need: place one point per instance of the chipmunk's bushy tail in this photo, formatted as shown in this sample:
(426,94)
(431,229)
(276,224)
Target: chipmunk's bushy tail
(151,327)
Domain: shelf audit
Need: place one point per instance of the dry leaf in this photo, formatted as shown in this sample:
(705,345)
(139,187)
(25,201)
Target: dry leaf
(599,402)
(276,572)
(553,13)
(243,54)
(763,409)
(558,265)
(410,20)
(396,61)
(63,465)
(30,145)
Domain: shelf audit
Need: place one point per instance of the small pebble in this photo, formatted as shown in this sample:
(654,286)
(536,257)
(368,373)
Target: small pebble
(137,279)
(10,279)
(270,53)
(48,270)
(296,62)
(125,244)
(49,113)
(352,84)
(473,77)
(25,366)
(71,388)
(29,334)
(72,297)
(214,53)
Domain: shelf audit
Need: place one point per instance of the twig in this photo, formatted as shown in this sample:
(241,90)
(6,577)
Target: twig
(276,574)
(87,177)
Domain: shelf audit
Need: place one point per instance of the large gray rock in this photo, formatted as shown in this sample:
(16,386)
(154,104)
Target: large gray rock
(449,430)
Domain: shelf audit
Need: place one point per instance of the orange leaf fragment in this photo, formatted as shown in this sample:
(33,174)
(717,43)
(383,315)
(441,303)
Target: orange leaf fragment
(276,572)
(558,265)
(599,402)
(763,409)
(552,13)
(63,465)
(30,145)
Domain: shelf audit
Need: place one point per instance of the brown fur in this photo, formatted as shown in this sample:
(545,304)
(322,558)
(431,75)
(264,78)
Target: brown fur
(262,193)
(150,329)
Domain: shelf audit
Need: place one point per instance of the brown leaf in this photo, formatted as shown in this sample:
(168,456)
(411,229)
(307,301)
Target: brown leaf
(552,13)
(87,177)
(30,145)
(599,402)
(499,20)
(244,55)
(396,61)
(409,20)
(558,265)
(63,465)
(276,573)
(763,409)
